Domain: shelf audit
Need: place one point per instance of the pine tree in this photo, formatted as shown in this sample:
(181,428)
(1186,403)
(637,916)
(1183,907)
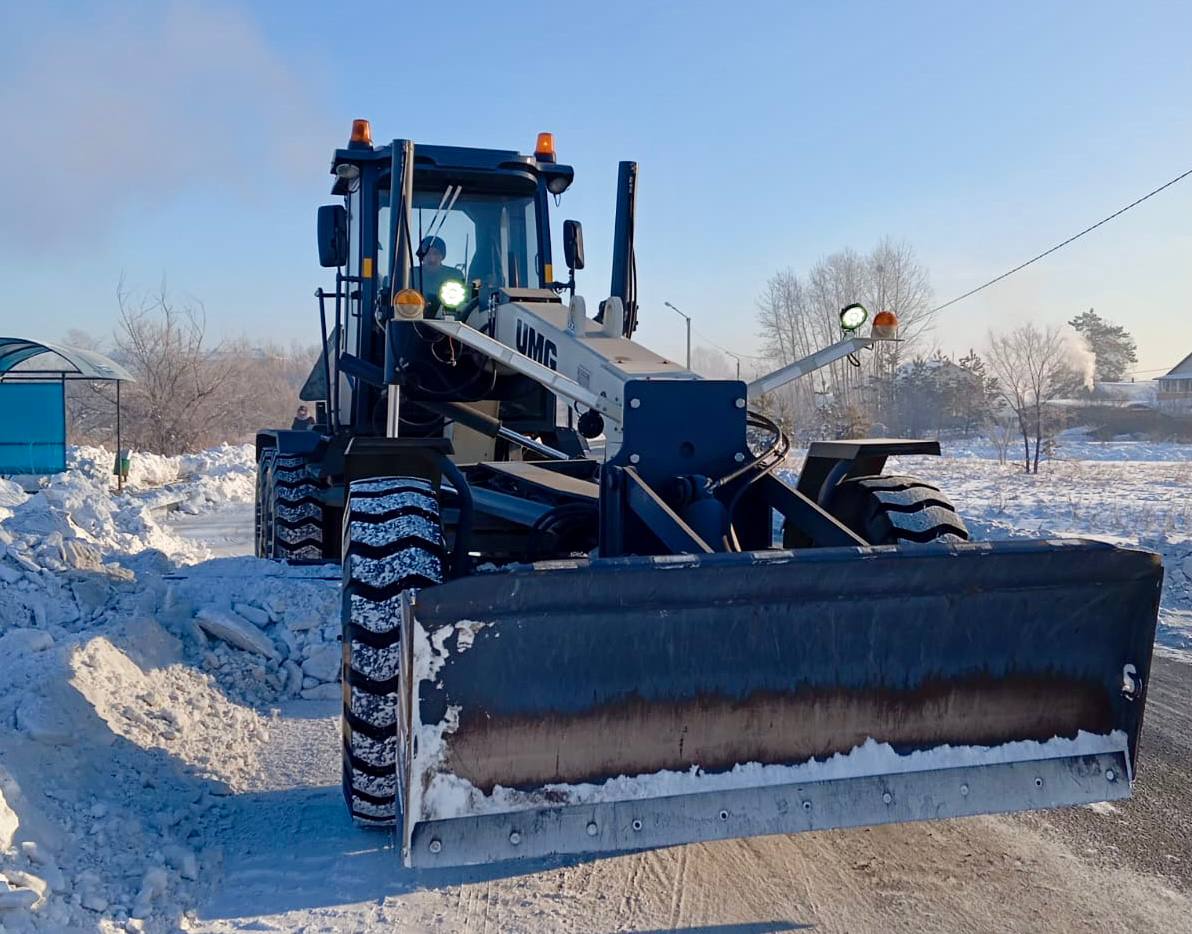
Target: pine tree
(1110,343)
(976,404)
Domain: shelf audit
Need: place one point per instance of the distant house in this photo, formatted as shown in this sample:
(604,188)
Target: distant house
(1175,389)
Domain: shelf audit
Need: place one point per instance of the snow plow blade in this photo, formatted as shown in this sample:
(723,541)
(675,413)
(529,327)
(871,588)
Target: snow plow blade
(621,704)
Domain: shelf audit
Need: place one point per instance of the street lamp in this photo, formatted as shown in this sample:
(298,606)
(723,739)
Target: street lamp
(686,318)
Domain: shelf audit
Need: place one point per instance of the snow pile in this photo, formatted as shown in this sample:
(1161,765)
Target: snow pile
(264,632)
(137,685)
(122,739)
(193,483)
(66,545)
(234,462)
(112,775)
(81,505)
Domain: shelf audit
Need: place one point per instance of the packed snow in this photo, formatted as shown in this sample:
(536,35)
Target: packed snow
(168,704)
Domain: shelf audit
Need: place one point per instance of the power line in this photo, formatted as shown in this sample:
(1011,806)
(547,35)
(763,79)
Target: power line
(731,353)
(1060,246)
(1004,275)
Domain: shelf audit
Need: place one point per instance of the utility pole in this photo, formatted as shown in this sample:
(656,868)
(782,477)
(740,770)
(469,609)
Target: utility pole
(687,318)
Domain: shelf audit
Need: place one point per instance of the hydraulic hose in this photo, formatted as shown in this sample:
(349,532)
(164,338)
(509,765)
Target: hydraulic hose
(460,560)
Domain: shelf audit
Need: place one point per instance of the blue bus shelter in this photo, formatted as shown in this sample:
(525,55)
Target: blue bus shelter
(33,377)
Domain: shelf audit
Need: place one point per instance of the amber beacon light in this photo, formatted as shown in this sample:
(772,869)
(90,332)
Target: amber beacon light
(544,149)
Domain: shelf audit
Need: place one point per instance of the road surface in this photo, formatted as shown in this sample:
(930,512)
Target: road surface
(292,861)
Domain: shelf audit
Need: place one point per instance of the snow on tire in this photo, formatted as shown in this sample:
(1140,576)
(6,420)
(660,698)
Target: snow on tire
(393,542)
(297,511)
(896,510)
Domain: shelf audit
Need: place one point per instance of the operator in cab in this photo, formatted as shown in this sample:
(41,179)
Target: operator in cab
(434,273)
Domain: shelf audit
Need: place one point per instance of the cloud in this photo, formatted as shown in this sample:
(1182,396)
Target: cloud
(114,113)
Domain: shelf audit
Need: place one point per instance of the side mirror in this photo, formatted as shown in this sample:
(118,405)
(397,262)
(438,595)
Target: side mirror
(573,244)
(333,235)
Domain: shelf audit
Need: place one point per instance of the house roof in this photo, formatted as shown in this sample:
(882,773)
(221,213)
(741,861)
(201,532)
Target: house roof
(1182,370)
(21,358)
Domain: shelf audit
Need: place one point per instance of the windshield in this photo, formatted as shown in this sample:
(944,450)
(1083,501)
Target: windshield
(467,236)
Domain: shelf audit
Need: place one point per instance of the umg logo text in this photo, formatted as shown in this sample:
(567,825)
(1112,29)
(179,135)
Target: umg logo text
(535,346)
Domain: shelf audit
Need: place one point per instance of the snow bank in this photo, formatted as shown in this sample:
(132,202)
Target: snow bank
(137,681)
(81,505)
(146,470)
(113,775)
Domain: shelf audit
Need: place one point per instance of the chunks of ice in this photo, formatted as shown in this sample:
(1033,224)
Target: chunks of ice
(235,630)
(324,663)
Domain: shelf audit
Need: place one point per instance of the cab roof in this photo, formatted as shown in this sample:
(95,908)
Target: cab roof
(491,169)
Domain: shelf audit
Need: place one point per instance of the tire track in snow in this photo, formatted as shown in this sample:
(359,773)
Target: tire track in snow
(677,886)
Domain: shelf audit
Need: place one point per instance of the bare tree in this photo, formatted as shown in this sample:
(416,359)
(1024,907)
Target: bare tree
(799,315)
(262,384)
(1000,428)
(189,394)
(1033,368)
(178,375)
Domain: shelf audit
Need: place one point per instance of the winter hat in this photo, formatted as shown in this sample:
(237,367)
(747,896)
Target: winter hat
(433,243)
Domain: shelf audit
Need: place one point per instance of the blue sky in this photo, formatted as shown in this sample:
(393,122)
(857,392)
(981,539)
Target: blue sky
(191,141)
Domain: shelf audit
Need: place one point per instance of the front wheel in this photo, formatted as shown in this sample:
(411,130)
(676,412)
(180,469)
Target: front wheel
(392,542)
(895,510)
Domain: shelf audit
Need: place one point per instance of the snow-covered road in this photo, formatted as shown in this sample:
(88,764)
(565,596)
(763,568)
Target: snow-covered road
(169,746)
(227,531)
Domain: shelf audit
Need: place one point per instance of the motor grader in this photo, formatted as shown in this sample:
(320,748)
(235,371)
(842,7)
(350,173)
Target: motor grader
(586,608)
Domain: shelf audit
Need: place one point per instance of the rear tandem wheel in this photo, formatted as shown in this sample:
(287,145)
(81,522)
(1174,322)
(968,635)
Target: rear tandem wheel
(896,510)
(297,511)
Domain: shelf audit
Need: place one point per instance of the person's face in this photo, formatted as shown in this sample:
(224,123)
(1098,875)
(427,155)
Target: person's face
(433,258)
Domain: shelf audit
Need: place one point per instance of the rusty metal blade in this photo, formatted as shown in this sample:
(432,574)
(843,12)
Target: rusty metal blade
(594,682)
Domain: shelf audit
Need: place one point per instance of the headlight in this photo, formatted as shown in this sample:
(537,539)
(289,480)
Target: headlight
(452,294)
(853,316)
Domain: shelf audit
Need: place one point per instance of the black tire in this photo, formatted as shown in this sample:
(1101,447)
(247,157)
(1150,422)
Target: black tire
(896,510)
(295,531)
(262,511)
(392,542)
